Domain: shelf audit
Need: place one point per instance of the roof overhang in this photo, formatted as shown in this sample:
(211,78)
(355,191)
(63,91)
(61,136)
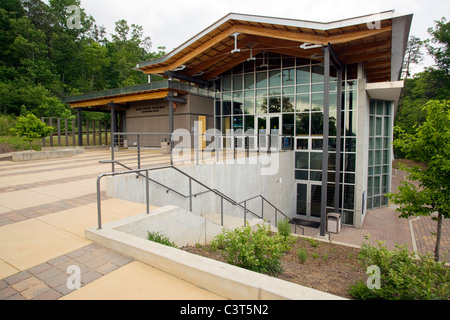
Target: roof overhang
(121,96)
(389,91)
(378,41)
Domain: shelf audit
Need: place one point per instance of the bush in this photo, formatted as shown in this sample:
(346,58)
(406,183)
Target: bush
(256,250)
(160,238)
(7,122)
(402,275)
(302,255)
(284,228)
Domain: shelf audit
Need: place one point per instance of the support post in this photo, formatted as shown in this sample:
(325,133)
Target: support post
(87,132)
(326,123)
(50,123)
(43,139)
(58,126)
(337,178)
(73,132)
(66,131)
(80,128)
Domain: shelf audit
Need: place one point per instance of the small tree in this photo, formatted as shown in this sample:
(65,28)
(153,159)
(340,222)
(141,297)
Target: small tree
(430,145)
(31,128)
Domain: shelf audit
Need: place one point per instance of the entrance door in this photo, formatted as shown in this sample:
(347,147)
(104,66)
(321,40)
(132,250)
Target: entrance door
(201,132)
(309,200)
(268,130)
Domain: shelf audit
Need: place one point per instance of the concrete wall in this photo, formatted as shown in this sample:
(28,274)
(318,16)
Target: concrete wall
(237,181)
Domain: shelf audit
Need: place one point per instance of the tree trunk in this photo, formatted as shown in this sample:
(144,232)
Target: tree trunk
(438,238)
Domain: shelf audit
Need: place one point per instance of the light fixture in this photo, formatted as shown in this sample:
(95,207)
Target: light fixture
(307,46)
(235,50)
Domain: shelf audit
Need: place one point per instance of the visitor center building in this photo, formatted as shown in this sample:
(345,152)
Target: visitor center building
(331,88)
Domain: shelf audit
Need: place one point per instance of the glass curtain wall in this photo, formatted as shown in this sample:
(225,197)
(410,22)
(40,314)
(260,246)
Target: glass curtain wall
(380,127)
(292,88)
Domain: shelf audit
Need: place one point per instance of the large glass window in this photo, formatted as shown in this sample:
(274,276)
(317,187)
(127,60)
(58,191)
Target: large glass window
(380,125)
(294,88)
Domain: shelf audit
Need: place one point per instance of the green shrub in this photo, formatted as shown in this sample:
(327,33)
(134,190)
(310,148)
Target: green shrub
(255,250)
(402,276)
(160,238)
(7,122)
(313,242)
(284,228)
(302,255)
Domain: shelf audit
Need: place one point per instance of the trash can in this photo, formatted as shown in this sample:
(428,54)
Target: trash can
(333,222)
(165,146)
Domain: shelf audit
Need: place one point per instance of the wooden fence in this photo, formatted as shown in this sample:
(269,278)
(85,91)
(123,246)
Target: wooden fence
(66,133)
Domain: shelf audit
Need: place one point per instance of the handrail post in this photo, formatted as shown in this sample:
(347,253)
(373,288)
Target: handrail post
(234,147)
(112,150)
(247,145)
(147,192)
(99,208)
(245,212)
(221,211)
(276,211)
(190,194)
(262,208)
(139,151)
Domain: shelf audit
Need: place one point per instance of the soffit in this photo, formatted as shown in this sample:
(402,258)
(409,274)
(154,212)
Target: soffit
(210,53)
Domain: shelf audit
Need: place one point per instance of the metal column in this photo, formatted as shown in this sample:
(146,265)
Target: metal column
(326,124)
(337,178)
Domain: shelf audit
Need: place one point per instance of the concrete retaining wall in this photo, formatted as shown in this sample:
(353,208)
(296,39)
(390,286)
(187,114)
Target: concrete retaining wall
(236,180)
(50,153)
(220,278)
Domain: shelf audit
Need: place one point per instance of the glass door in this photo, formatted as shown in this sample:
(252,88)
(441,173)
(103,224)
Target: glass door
(268,130)
(309,202)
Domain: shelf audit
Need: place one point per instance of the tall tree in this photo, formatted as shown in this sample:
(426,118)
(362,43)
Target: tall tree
(413,55)
(430,144)
(439,45)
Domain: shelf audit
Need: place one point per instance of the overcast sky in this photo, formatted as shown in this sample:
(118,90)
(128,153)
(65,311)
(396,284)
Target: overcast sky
(169,23)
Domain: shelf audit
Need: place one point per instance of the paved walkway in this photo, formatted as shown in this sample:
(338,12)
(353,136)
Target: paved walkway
(46,205)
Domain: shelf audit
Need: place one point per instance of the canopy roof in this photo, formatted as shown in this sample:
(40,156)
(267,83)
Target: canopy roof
(377,40)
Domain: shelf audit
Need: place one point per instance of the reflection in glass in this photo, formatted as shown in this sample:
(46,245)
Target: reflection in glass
(261,80)
(302,102)
(274,104)
(301,198)
(288,103)
(316,160)
(261,105)
(302,124)
(301,160)
(303,75)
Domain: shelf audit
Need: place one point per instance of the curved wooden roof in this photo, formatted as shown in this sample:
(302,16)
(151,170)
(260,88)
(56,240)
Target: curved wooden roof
(373,40)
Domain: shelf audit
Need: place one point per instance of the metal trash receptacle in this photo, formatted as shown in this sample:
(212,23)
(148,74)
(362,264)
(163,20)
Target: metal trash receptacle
(333,222)
(165,146)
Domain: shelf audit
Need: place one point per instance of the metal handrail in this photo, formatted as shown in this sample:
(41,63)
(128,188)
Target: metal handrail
(276,211)
(215,191)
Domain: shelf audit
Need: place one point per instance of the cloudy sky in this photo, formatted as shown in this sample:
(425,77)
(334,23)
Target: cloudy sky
(169,23)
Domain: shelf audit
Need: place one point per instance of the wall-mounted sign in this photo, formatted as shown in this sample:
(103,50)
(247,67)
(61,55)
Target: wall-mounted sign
(150,109)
